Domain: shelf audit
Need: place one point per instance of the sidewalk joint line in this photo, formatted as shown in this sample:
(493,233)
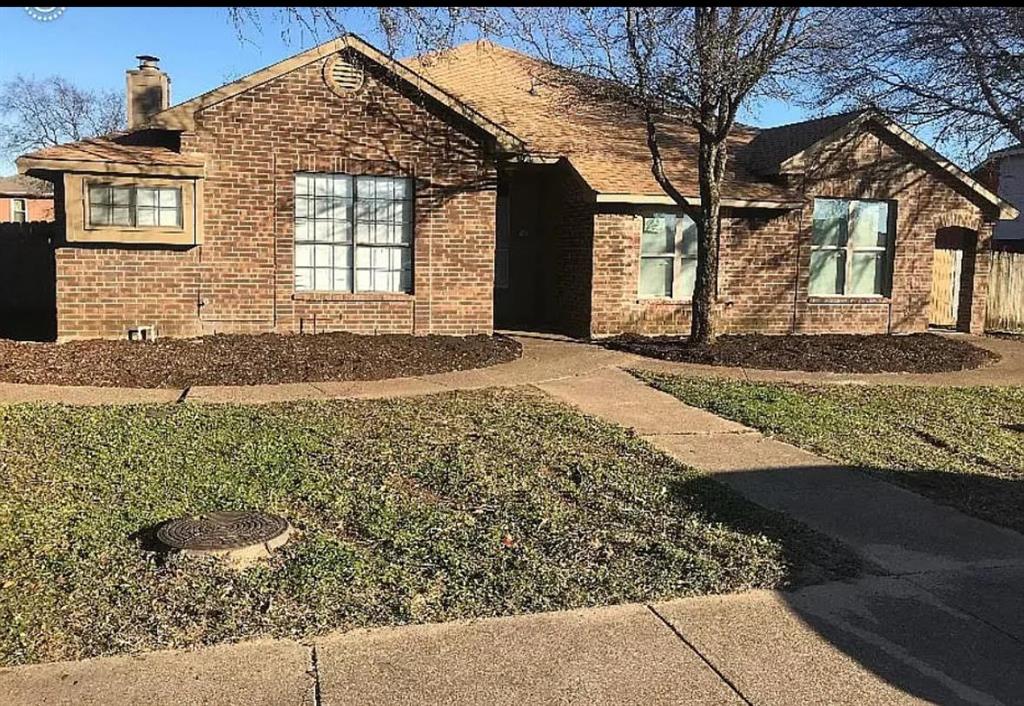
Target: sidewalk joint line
(314,672)
(728,682)
(183,395)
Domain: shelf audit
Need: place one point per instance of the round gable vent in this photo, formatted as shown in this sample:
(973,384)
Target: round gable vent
(343,76)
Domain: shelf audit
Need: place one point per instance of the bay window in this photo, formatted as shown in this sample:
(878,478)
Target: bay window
(851,248)
(353,233)
(668,257)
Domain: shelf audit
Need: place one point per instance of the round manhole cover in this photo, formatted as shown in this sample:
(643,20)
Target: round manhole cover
(230,533)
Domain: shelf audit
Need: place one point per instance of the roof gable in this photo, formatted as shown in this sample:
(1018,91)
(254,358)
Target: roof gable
(773,146)
(791,148)
(182,116)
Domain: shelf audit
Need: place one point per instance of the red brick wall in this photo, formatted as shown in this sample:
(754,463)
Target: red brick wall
(38,209)
(241,278)
(763,270)
(102,292)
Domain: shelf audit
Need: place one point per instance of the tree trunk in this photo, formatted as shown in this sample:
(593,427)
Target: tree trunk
(711,169)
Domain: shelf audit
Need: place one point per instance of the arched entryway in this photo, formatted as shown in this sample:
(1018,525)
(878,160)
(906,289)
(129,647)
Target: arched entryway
(953,270)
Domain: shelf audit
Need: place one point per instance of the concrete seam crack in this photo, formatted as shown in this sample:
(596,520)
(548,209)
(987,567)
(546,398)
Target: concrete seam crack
(314,672)
(726,680)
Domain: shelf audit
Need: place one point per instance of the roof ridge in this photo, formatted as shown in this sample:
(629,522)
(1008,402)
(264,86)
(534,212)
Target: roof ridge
(820,118)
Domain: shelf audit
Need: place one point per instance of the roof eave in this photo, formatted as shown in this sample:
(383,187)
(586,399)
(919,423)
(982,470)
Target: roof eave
(666,200)
(27,164)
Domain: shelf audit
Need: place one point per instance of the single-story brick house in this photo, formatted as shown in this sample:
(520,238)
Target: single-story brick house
(25,200)
(341,189)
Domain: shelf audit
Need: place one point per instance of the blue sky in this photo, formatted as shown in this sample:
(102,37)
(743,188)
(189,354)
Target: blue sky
(198,47)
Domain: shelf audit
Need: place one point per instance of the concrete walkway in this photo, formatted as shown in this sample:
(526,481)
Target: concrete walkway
(545,358)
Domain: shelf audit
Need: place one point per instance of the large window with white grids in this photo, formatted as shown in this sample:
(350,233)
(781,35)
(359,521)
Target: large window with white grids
(353,233)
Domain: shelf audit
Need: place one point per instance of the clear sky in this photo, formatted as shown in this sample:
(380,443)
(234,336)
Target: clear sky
(199,48)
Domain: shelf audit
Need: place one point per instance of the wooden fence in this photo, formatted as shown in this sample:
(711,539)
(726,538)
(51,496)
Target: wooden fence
(1006,293)
(946,270)
(28,307)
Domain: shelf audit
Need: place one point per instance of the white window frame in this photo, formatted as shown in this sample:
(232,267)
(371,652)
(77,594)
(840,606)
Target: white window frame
(23,212)
(349,231)
(850,248)
(683,225)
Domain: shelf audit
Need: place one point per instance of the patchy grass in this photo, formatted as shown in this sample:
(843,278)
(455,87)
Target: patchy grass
(961,446)
(424,509)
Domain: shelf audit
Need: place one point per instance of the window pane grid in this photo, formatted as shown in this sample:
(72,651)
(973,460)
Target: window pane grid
(850,248)
(367,224)
(668,257)
(134,206)
(19,210)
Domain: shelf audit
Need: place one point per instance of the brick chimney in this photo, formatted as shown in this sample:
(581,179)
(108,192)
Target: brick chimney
(149,91)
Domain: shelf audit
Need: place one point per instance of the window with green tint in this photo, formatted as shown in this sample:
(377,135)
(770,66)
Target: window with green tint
(668,257)
(851,248)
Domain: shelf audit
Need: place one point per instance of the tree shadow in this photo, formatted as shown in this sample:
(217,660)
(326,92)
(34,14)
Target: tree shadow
(939,621)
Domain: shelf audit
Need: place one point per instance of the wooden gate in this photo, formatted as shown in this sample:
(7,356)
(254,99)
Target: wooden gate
(946,269)
(1006,293)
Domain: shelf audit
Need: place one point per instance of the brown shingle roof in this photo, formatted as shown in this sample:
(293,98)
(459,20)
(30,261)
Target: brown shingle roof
(604,142)
(114,149)
(775,145)
(19,185)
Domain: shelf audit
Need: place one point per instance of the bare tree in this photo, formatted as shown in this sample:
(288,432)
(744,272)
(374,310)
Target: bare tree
(956,70)
(42,112)
(694,64)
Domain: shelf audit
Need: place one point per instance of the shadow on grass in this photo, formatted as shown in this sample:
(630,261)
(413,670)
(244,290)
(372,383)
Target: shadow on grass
(809,556)
(148,541)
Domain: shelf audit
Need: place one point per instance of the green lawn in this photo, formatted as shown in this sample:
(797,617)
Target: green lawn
(961,446)
(424,509)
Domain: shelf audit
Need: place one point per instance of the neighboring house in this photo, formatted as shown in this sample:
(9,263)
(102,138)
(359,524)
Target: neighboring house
(24,199)
(341,189)
(1003,173)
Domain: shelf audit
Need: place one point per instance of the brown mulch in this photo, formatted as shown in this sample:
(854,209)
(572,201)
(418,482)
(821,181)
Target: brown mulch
(838,353)
(234,359)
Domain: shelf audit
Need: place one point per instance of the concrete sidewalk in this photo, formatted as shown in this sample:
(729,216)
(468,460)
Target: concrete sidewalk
(888,640)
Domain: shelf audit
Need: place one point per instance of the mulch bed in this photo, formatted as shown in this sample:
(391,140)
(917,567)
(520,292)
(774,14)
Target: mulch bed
(839,353)
(247,359)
